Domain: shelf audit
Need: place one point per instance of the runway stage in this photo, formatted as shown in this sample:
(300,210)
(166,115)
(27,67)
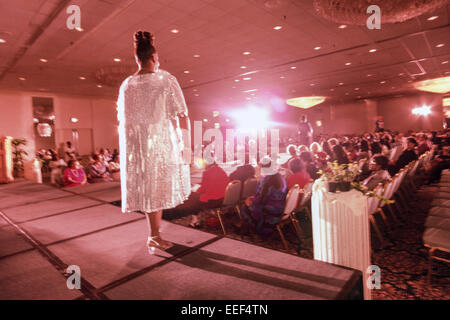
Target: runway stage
(43,230)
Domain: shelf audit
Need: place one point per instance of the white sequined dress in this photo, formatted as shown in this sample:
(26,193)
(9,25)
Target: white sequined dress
(153,175)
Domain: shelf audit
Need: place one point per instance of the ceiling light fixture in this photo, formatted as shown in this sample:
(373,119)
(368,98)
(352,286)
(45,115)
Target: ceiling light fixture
(246,78)
(79,29)
(43,60)
(440,45)
(243,67)
(196,56)
(348,63)
(277,27)
(432,18)
(293,68)
(186,71)
(438,85)
(22,79)
(99,86)
(444,62)
(117,60)
(246,53)
(174,30)
(372,50)
(342,26)
(82,78)
(74,120)
(341,83)
(421,111)
(305,102)
(317,48)
(2,41)
(383,82)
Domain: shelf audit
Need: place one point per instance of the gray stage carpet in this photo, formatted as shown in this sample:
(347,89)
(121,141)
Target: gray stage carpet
(43,230)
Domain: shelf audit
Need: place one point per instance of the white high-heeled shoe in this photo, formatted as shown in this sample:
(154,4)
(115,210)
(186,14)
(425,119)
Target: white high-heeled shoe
(156,242)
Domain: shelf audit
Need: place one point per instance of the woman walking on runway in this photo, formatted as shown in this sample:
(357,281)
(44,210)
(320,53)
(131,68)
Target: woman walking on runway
(152,111)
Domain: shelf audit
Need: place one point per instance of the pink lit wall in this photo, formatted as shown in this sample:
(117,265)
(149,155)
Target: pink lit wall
(96,126)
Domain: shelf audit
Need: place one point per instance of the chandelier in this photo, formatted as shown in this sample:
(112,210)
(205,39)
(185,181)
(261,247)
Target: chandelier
(114,75)
(438,85)
(354,12)
(305,102)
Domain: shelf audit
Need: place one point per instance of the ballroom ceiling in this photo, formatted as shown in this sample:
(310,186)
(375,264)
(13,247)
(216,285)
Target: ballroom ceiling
(307,56)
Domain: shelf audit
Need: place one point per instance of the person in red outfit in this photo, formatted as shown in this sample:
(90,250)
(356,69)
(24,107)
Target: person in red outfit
(209,195)
(299,175)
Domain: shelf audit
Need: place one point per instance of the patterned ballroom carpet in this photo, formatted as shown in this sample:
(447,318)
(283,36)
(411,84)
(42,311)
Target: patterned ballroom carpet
(403,261)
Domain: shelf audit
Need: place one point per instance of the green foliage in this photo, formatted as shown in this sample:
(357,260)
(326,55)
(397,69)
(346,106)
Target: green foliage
(18,154)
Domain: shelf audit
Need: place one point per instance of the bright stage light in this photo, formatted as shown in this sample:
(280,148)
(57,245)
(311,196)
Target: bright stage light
(251,118)
(438,85)
(305,102)
(422,111)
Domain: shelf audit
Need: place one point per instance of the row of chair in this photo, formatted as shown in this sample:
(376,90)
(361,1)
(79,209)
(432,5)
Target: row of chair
(296,201)
(437,226)
(400,189)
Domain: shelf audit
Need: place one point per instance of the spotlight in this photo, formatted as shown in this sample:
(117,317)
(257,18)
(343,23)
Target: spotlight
(421,111)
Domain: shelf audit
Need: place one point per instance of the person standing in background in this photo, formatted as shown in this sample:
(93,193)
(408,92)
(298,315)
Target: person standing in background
(305,131)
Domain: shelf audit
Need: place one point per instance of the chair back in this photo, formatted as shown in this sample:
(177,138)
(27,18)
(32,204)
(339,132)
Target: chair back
(395,153)
(249,188)
(399,180)
(374,202)
(292,199)
(306,193)
(388,189)
(232,193)
(414,167)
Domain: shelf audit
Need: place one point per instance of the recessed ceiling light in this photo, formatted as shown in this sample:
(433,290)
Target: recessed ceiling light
(342,26)
(186,71)
(79,29)
(43,60)
(205,120)
(372,50)
(347,93)
(293,68)
(356,89)
(317,48)
(174,30)
(369,75)
(99,86)
(82,78)
(383,82)
(341,83)
(246,78)
(277,27)
(192,80)
(74,120)
(312,84)
(444,62)
(246,53)
(432,18)
(243,67)
(196,56)
(22,79)
(195,90)
(117,60)
(236,80)
(348,63)
(440,45)
(2,41)
(196,94)
(331,89)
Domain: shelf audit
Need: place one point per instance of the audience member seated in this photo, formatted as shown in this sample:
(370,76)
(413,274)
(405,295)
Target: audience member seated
(74,175)
(209,195)
(97,170)
(114,168)
(299,174)
(310,165)
(107,157)
(375,148)
(437,165)
(293,152)
(243,172)
(339,155)
(379,173)
(69,152)
(56,165)
(263,211)
(364,150)
(423,145)
(406,157)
